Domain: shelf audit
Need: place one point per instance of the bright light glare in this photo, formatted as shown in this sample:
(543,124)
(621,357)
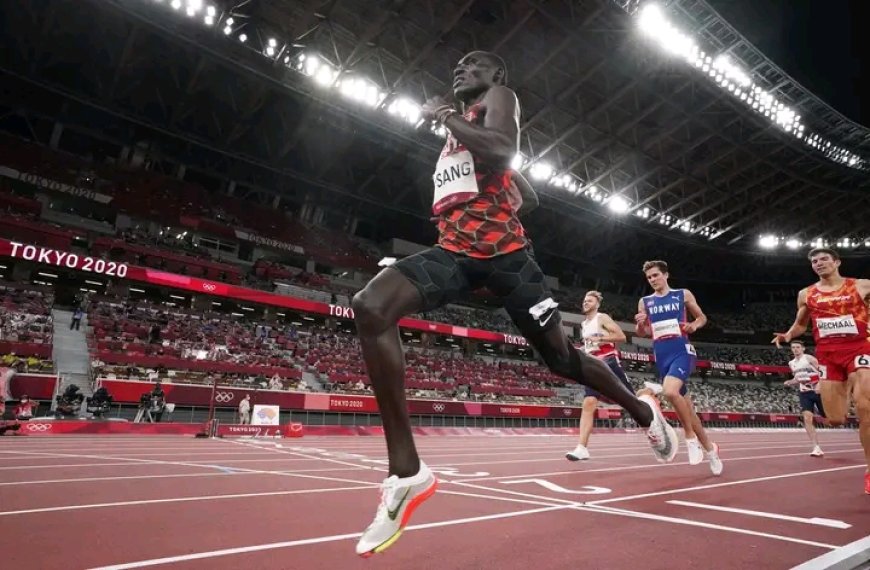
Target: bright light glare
(768,241)
(406,109)
(792,243)
(243,38)
(618,205)
(541,171)
(517,162)
(176,4)
(325,76)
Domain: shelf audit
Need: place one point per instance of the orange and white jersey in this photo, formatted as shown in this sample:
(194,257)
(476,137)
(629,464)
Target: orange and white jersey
(805,373)
(592,331)
(839,317)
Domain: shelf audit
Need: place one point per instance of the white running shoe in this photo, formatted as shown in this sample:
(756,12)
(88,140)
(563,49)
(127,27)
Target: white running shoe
(654,387)
(817,452)
(662,437)
(716,466)
(580,452)
(696,452)
(399,499)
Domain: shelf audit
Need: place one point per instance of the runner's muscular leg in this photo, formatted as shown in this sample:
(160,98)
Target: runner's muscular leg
(835,400)
(861,395)
(377,309)
(587,418)
(564,360)
(671,387)
(697,426)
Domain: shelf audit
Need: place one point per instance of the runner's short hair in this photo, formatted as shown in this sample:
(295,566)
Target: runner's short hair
(800,342)
(596,294)
(818,250)
(656,263)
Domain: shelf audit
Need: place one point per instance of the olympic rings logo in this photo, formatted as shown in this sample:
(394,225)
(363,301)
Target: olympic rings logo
(224,397)
(209,286)
(438,407)
(38,427)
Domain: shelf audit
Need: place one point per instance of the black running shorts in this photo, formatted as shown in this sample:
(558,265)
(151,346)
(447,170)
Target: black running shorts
(811,401)
(444,277)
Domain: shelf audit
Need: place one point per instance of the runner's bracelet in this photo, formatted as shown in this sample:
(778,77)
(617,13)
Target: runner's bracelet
(441,113)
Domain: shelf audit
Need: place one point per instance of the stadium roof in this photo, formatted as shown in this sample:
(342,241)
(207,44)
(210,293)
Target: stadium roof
(636,120)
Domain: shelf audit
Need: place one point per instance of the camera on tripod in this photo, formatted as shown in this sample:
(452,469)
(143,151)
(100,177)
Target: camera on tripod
(99,403)
(69,404)
(150,404)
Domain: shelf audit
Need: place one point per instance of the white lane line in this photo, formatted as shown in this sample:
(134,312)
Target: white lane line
(847,557)
(590,507)
(317,540)
(725,484)
(689,522)
(830,523)
(221,468)
(180,500)
(170,475)
(649,466)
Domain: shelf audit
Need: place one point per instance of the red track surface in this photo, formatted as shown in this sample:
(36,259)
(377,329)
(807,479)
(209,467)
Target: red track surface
(116,502)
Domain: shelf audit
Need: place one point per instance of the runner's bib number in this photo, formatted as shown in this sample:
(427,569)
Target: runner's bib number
(836,326)
(862,361)
(667,327)
(454,180)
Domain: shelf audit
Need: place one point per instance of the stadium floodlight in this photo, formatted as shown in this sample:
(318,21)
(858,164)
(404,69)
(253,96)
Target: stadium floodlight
(406,109)
(540,171)
(243,38)
(209,20)
(176,4)
(270,51)
(211,11)
(792,243)
(618,205)
(311,64)
(325,75)
(228,30)
(728,74)
(518,161)
(643,213)
(768,241)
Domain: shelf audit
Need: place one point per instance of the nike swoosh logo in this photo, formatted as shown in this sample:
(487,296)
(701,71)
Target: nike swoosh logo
(547,320)
(392,513)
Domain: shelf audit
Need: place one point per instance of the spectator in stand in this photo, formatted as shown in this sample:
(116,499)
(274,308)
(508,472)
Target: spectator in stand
(25,408)
(275,383)
(76,321)
(154,334)
(245,410)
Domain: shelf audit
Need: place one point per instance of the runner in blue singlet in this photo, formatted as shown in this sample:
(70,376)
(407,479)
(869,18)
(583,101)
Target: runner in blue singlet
(662,316)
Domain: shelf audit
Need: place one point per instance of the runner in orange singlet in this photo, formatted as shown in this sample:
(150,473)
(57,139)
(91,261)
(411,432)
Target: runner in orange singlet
(837,308)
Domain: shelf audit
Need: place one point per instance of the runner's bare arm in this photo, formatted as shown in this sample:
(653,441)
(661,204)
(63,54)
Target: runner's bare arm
(814,362)
(799,326)
(641,321)
(614,333)
(695,310)
(497,141)
(864,289)
(530,197)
